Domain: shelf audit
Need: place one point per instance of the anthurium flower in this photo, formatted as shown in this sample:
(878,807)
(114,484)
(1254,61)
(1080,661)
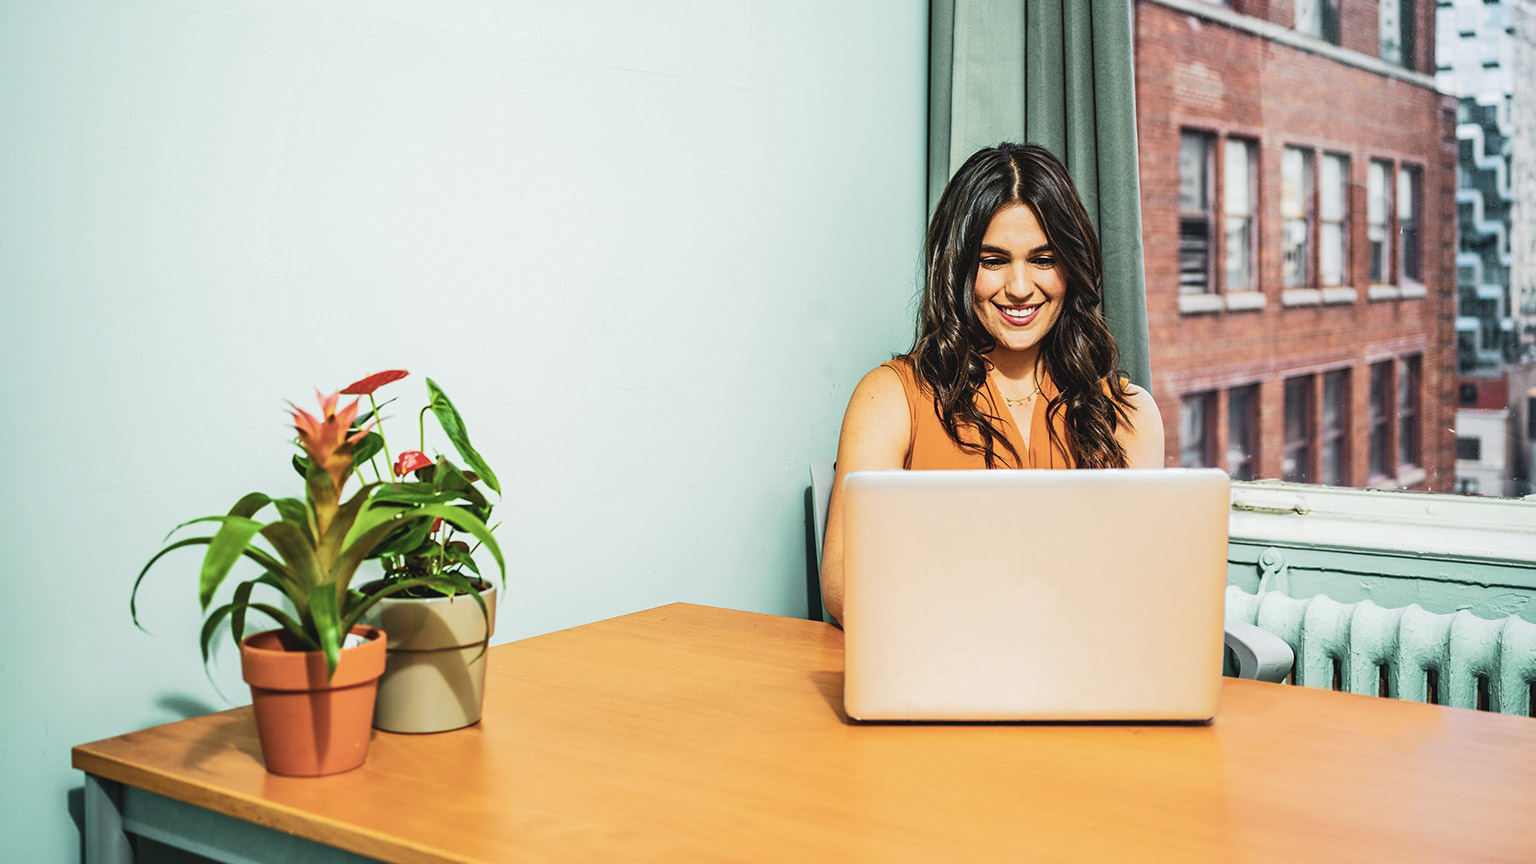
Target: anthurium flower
(325,437)
(411,460)
(374,382)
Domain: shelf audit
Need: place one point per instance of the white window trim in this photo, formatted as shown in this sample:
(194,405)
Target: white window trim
(1412,290)
(1340,294)
(1451,527)
(1242,300)
(1384,292)
(1195,304)
(1301,297)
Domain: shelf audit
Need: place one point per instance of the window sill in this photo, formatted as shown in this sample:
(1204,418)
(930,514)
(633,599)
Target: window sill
(1340,295)
(1384,292)
(1413,290)
(1414,524)
(1301,297)
(1200,304)
(1238,301)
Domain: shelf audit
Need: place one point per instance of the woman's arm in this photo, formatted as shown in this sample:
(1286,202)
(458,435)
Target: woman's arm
(1143,437)
(876,431)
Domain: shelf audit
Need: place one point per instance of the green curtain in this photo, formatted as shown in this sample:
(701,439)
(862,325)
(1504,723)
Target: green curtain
(1059,73)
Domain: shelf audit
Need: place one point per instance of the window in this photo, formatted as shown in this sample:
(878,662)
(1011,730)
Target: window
(1243,432)
(1196,222)
(1336,428)
(1318,18)
(1239,205)
(1381,396)
(1197,430)
(1378,209)
(1296,466)
(1296,212)
(1333,232)
(1466,394)
(1397,31)
(1408,410)
(1409,203)
(1470,449)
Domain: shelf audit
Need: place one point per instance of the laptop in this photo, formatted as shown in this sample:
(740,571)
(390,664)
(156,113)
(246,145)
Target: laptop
(1084,595)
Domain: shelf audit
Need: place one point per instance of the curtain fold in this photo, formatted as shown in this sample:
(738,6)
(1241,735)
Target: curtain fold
(1059,73)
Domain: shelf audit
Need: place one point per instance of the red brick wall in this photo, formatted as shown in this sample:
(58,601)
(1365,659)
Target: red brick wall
(1192,73)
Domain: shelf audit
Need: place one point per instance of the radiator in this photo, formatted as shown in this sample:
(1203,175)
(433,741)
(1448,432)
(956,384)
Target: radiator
(1404,653)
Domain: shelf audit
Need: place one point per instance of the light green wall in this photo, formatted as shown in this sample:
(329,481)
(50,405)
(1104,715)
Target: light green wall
(647,247)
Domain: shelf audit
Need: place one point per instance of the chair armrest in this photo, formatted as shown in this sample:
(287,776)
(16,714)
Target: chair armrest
(1261,655)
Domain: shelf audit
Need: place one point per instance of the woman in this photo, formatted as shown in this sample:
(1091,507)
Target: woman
(1014,366)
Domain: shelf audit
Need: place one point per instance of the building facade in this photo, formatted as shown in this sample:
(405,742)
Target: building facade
(1298,176)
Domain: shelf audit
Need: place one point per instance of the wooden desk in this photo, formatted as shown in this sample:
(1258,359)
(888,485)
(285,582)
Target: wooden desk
(690,733)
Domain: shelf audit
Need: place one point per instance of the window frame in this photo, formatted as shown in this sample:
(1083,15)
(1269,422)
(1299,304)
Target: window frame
(1336,436)
(1298,217)
(1381,259)
(1410,256)
(1245,466)
(1207,215)
(1299,452)
(1409,395)
(1380,414)
(1247,222)
(1342,222)
(1206,399)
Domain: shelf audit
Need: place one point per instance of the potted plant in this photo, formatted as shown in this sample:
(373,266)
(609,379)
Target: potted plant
(313,681)
(437,609)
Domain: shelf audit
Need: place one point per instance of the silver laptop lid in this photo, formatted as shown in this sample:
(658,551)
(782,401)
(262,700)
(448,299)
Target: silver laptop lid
(1034,595)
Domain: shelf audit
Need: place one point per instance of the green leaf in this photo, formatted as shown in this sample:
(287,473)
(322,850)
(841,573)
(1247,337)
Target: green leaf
(133,596)
(412,493)
(211,624)
(453,426)
(453,480)
(354,554)
(367,447)
(294,546)
(227,546)
(292,510)
(405,541)
(241,604)
(301,465)
(341,525)
(448,585)
(327,622)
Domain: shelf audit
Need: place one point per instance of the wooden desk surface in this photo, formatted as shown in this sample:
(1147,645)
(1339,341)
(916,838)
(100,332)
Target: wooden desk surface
(692,733)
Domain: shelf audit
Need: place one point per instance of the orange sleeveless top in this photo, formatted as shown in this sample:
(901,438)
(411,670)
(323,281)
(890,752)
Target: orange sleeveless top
(930,447)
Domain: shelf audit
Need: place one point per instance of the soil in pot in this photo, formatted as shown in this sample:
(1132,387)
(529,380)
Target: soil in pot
(311,724)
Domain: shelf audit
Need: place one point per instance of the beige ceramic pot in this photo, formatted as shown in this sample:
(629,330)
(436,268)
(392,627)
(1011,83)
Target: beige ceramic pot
(434,671)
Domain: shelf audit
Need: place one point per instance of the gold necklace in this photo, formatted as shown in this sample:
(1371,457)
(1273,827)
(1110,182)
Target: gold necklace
(1019,403)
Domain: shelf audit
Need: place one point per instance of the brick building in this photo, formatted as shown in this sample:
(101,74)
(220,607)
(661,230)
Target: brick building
(1298,174)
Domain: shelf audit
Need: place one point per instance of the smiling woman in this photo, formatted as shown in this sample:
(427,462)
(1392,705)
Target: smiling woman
(1013,365)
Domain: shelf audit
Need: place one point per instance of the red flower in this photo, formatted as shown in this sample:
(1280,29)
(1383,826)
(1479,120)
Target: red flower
(410,460)
(325,438)
(374,382)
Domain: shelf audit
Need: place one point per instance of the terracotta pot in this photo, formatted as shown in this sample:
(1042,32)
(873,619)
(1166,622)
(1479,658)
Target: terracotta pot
(309,724)
(434,676)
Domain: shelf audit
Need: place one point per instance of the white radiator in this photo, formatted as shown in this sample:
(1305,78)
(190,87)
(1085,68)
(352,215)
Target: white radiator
(1405,653)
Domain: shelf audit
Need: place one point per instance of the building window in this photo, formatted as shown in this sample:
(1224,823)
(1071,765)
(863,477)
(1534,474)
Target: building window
(1318,18)
(1335,433)
(1396,19)
(1409,202)
(1239,206)
(1378,210)
(1296,466)
(1333,232)
(1243,432)
(1296,212)
(1196,221)
(1470,449)
(1408,375)
(1197,430)
(1381,397)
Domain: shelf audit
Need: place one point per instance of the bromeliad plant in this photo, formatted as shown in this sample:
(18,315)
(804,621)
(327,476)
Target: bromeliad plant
(314,547)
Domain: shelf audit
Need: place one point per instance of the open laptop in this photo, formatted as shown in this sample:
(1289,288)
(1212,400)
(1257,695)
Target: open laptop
(1034,595)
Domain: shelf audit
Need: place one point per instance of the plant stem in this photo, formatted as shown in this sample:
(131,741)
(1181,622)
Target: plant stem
(421,424)
(378,424)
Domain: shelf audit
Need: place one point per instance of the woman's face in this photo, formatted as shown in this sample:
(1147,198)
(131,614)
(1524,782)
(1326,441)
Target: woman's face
(1019,287)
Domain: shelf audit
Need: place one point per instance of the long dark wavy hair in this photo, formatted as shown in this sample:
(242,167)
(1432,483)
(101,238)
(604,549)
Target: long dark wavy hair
(1079,353)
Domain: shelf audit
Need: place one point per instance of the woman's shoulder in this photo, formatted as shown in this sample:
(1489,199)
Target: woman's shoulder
(1142,437)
